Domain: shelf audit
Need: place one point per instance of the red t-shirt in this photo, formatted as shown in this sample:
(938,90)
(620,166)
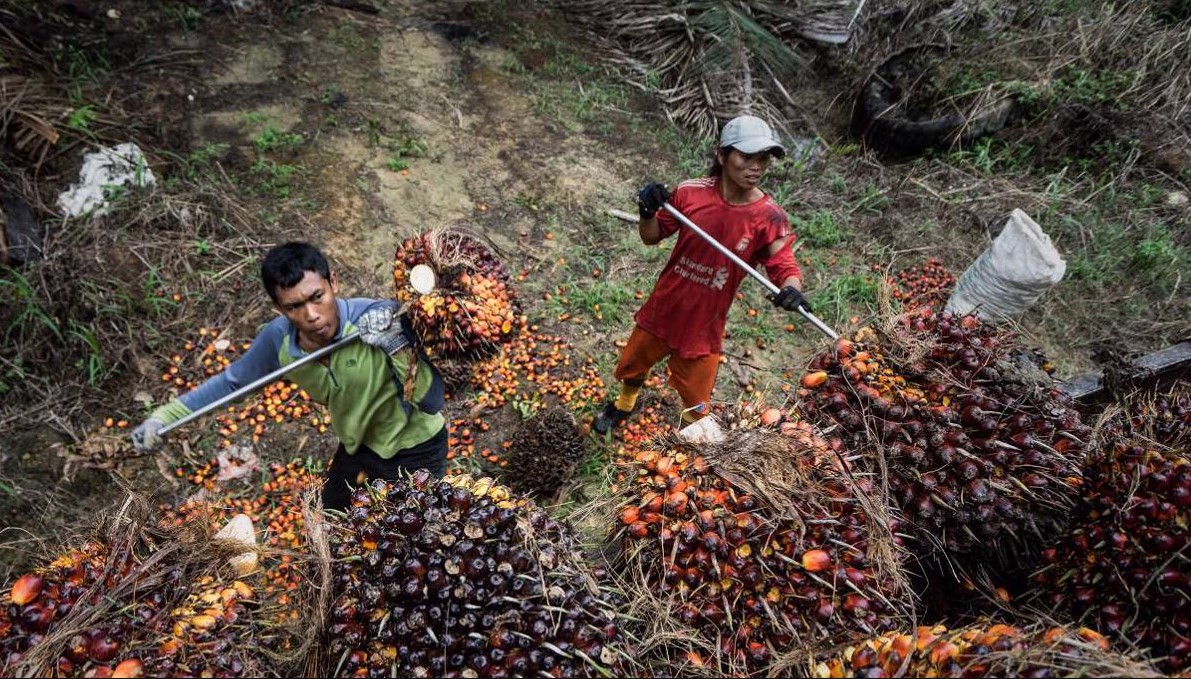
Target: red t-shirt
(688,307)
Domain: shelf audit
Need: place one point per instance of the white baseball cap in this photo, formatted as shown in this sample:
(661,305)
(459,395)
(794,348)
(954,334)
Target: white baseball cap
(750,134)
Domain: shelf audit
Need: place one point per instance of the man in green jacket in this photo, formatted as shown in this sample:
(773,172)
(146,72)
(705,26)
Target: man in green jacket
(383,394)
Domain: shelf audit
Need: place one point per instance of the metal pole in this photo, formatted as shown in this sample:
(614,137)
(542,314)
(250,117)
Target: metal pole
(769,285)
(262,381)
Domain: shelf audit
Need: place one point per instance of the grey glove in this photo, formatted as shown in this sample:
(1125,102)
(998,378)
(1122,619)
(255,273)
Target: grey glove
(380,328)
(147,436)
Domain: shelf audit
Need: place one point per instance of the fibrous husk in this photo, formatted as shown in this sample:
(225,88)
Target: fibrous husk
(460,577)
(740,551)
(544,453)
(139,597)
(978,461)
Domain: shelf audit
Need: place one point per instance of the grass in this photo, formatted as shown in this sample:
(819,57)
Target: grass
(24,300)
(185,17)
(274,179)
(846,295)
(608,302)
(346,35)
(82,118)
(817,230)
(91,361)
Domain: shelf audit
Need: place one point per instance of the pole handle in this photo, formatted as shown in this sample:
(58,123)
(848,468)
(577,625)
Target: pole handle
(761,278)
(262,381)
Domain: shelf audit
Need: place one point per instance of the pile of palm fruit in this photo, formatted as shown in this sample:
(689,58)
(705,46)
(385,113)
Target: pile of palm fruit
(543,454)
(460,577)
(1125,565)
(472,310)
(279,402)
(982,649)
(928,285)
(976,453)
(276,507)
(754,546)
(143,600)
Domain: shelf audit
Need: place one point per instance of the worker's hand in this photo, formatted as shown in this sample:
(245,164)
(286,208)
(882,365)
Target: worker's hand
(380,328)
(147,436)
(790,298)
(650,199)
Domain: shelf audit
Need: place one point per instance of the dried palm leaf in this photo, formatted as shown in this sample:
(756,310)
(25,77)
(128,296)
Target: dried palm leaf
(26,102)
(710,60)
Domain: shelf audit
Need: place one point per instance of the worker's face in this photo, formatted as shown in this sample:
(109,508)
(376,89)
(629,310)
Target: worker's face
(310,306)
(744,169)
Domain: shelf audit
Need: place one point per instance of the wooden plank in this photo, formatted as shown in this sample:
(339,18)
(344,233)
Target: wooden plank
(1145,369)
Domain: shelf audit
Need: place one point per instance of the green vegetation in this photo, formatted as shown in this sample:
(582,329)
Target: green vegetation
(817,230)
(349,37)
(185,17)
(81,118)
(18,294)
(275,179)
(847,294)
(273,139)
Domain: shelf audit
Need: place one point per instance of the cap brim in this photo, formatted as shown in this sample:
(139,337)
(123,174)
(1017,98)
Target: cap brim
(751,146)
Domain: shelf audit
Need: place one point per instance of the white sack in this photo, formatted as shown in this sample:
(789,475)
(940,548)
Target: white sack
(1011,274)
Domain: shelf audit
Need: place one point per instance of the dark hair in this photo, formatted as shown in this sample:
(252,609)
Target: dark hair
(717,168)
(285,265)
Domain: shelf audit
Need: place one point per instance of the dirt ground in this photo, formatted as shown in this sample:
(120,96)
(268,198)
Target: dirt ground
(354,84)
(420,116)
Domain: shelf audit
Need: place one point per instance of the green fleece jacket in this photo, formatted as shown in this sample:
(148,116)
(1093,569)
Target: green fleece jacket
(360,385)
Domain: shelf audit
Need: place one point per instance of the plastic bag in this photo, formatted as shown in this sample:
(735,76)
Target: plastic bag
(102,174)
(1011,274)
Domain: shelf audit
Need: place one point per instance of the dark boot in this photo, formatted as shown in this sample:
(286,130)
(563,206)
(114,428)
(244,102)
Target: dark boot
(610,417)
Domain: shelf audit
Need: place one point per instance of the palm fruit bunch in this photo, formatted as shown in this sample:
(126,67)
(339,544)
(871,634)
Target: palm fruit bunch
(745,415)
(459,577)
(928,285)
(975,456)
(544,453)
(38,601)
(1124,566)
(1162,417)
(982,649)
(141,601)
(472,310)
(754,546)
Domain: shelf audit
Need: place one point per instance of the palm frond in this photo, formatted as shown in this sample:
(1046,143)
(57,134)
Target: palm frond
(710,60)
(27,103)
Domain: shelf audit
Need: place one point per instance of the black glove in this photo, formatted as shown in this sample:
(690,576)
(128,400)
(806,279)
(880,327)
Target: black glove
(651,199)
(790,298)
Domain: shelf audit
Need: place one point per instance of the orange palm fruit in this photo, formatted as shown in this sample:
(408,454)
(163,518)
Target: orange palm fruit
(26,589)
(816,560)
(813,380)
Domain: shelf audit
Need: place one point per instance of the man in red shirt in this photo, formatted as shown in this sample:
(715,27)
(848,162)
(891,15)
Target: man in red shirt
(685,314)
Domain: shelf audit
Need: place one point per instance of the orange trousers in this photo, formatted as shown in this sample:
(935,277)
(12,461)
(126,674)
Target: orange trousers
(692,378)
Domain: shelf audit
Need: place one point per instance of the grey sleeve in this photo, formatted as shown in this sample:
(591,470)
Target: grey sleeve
(260,360)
